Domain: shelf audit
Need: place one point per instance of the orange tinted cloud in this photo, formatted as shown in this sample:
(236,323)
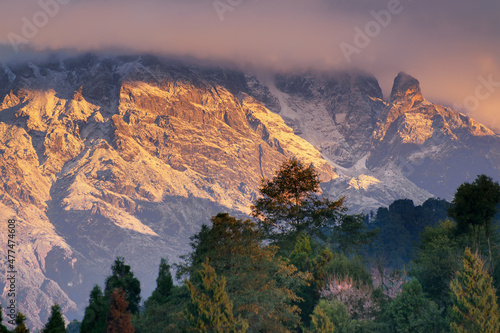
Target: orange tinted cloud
(447,45)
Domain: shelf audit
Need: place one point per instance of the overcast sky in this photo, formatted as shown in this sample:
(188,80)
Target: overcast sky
(451,46)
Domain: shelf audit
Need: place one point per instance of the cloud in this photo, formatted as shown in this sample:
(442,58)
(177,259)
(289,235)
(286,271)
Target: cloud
(448,45)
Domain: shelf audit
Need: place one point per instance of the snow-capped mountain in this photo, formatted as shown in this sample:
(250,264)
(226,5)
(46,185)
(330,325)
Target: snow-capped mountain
(127,156)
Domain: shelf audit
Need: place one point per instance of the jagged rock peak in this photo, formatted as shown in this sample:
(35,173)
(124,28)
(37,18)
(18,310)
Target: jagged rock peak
(405,87)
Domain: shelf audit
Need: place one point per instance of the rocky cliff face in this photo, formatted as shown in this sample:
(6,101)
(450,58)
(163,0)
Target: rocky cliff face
(384,149)
(127,156)
(435,147)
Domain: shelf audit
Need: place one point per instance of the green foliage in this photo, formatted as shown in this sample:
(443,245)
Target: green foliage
(21,323)
(123,278)
(400,226)
(210,309)
(337,313)
(94,320)
(73,326)
(56,322)
(290,203)
(308,261)
(354,268)
(118,319)
(3,329)
(474,207)
(412,312)
(475,306)
(351,234)
(163,309)
(261,284)
(164,284)
(320,322)
(437,260)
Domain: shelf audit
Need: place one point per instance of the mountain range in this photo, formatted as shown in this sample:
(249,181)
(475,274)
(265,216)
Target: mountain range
(128,155)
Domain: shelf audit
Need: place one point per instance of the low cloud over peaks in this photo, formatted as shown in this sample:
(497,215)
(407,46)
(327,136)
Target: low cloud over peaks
(449,46)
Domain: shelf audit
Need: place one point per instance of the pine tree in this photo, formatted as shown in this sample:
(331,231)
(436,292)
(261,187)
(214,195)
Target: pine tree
(3,329)
(94,320)
(320,323)
(56,322)
(164,284)
(119,316)
(123,278)
(210,309)
(475,306)
(21,324)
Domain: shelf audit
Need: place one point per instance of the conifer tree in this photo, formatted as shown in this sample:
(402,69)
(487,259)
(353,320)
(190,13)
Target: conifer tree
(320,323)
(118,320)
(164,284)
(210,309)
(3,329)
(94,320)
(475,306)
(123,278)
(56,322)
(21,324)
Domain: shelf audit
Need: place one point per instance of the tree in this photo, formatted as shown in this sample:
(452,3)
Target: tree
(162,308)
(164,284)
(412,312)
(437,259)
(310,261)
(401,225)
(94,320)
(210,309)
(118,320)
(164,317)
(235,250)
(337,314)
(73,326)
(21,323)
(320,323)
(357,299)
(351,233)
(123,278)
(56,322)
(475,306)
(474,207)
(290,203)
(3,329)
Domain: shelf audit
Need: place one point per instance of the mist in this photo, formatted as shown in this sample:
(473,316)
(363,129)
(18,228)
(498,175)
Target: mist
(451,47)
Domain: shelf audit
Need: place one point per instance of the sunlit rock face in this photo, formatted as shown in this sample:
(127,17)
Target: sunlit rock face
(437,148)
(127,156)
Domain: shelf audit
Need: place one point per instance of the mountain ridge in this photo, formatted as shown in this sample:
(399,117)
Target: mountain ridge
(129,155)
